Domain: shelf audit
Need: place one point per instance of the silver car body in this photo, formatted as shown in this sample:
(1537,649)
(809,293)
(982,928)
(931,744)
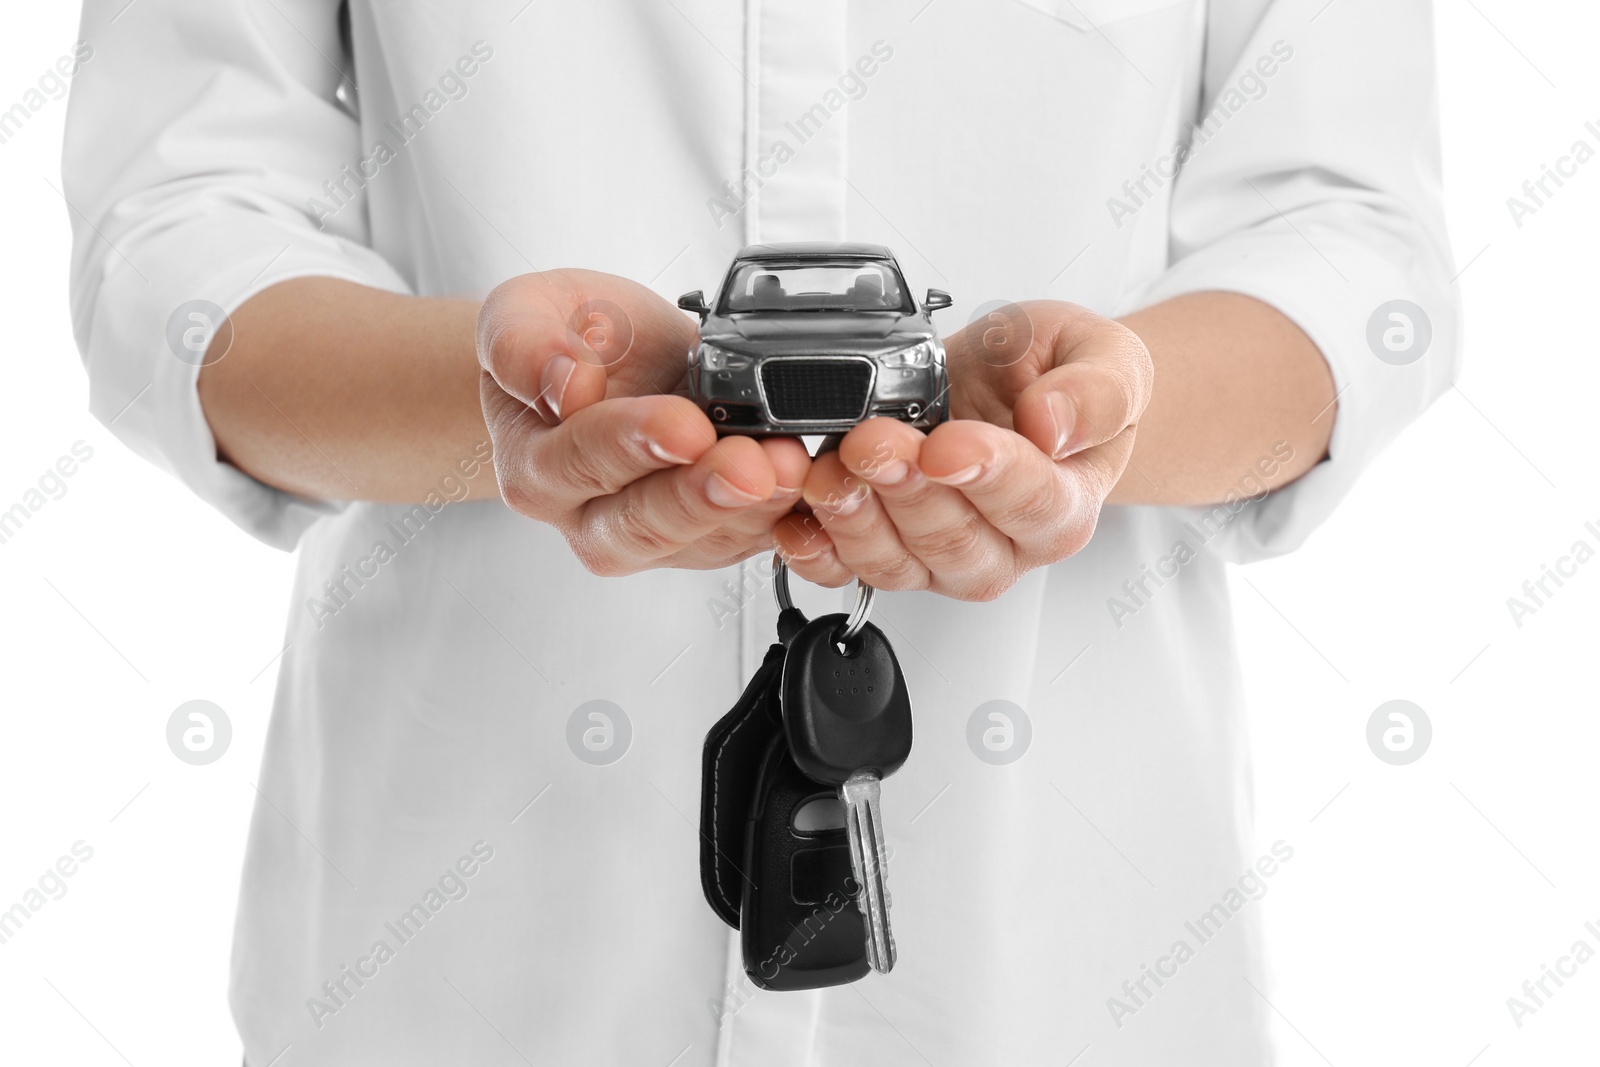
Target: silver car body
(776,361)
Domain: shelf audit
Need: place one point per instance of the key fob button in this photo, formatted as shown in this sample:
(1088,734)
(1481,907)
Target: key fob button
(816,874)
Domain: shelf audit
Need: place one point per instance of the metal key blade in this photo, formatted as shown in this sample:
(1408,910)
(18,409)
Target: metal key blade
(867,863)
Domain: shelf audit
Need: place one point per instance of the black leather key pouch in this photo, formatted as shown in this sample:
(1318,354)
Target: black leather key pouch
(730,765)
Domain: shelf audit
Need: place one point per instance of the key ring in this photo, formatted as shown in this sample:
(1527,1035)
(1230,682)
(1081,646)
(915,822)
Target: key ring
(858,616)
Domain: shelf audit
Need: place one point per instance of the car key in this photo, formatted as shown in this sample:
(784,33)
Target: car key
(775,854)
(868,864)
(847,717)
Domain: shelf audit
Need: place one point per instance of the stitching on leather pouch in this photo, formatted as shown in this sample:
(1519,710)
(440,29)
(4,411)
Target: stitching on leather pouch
(716,792)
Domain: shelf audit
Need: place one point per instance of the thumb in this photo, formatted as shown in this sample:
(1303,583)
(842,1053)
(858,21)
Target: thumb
(562,340)
(1099,387)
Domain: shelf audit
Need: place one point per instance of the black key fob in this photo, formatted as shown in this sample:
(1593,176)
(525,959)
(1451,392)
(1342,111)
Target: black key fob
(799,925)
(845,708)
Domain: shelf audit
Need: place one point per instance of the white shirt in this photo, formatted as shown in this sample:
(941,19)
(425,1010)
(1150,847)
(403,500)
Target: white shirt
(419,746)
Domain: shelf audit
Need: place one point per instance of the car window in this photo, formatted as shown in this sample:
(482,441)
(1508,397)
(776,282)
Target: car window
(845,285)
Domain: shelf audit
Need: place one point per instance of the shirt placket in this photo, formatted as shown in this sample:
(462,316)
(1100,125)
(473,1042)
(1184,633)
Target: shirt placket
(794,141)
(794,159)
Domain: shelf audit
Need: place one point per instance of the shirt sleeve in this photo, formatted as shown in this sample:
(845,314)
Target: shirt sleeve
(197,136)
(1311,181)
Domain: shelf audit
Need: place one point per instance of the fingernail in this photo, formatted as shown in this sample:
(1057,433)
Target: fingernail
(1065,417)
(840,506)
(725,494)
(892,473)
(961,477)
(664,456)
(553,382)
(782,491)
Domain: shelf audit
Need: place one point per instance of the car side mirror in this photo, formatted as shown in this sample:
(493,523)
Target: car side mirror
(937,300)
(695,301)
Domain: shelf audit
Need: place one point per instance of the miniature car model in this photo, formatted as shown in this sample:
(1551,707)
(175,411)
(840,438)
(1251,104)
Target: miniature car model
(813,338)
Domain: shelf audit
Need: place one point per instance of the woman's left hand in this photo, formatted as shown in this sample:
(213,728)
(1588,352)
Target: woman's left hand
(1045,398)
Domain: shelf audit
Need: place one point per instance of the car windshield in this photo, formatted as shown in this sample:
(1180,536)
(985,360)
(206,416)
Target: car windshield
(815,285)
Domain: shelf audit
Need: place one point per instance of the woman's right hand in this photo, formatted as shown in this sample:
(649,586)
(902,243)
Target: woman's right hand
(579,370)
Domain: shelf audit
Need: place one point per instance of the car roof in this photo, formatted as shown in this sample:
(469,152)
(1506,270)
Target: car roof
(817,249)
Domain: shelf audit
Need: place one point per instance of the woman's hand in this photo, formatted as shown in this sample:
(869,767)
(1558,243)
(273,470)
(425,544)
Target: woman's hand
(579,369)
(1045,397)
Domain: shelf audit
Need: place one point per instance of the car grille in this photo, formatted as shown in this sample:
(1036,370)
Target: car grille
(801,390)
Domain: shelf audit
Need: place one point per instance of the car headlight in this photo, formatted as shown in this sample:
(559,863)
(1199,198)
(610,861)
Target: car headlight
(714,358)
(915,356)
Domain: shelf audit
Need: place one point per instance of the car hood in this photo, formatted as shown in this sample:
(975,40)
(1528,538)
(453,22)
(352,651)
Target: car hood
(866,331)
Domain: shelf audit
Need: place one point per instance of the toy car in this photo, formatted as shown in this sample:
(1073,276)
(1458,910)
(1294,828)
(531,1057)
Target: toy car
(813,338)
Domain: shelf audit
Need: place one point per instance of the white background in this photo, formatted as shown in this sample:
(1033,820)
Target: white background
(1420,897)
